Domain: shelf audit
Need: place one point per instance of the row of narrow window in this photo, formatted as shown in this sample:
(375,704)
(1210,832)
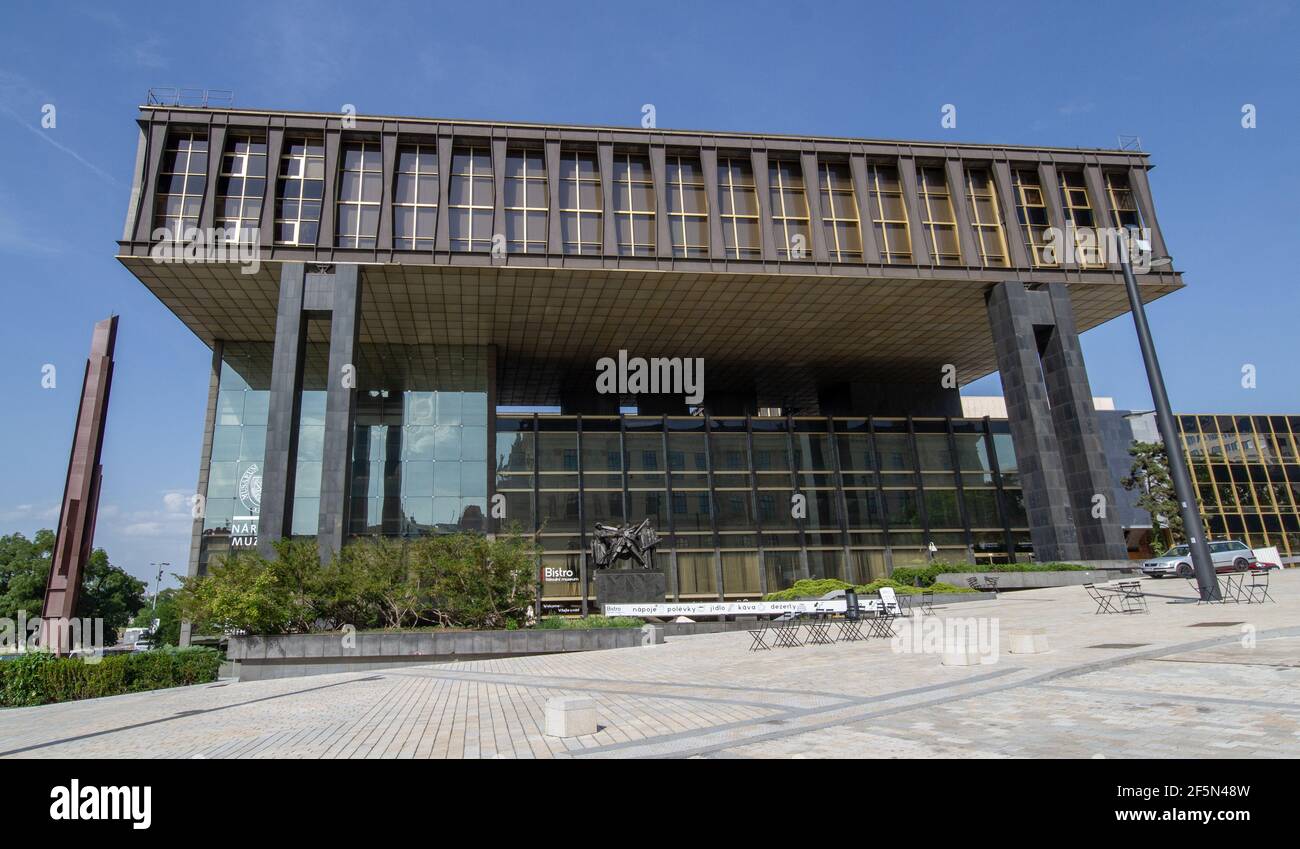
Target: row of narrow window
(300,183)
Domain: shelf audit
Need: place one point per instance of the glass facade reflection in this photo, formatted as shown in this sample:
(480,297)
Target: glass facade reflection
(1247,477)
(420,444)
(872,494)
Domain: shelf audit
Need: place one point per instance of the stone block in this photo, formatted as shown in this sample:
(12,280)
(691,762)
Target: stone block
(570,716)
(627,586)
(966,656)
(1027,641)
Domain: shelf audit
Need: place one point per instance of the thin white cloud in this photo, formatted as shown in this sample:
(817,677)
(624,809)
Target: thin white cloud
(47,136)
(30,513)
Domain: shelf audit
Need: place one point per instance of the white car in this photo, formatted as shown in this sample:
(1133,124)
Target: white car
(1228,556)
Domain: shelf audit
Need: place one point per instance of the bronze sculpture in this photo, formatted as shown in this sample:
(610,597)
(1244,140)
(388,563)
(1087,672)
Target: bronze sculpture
(610,544)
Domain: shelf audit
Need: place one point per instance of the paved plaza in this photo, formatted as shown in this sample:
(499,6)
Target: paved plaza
(1183,680)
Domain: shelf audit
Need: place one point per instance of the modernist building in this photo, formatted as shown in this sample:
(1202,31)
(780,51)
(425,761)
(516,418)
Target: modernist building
(431,299)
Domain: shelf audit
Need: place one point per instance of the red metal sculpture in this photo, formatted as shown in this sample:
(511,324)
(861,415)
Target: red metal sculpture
(76,529)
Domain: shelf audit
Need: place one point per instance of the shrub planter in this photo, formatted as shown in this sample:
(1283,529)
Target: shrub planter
(294,655)
(1029,580)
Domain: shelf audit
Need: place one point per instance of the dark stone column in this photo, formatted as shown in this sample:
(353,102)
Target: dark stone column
(1078,434)
(1013,315)
(284,406)
(340,409)
(205,467)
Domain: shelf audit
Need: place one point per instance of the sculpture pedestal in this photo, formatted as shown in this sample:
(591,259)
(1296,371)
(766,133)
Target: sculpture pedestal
(630,586)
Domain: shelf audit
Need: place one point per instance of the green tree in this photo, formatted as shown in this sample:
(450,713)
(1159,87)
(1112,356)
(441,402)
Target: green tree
(24,569)
(168,632)
(476,582)
(461,580)
(1149,477)
(107,591)
(384,582)
(244,591)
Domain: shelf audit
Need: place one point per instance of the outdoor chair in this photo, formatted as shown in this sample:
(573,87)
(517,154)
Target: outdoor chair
(1224,595)
(1257,589)
(927,601)
(850,630)
(787,634)
(818,630)
(1132,599)
(759,637)
(882,623)
(1107,599)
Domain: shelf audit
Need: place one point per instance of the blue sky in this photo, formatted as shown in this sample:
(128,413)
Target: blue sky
(1176,74)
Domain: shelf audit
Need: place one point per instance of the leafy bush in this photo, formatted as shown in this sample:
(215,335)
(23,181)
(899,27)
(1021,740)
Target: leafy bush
(924,576)
(22,678)
(451,580)
(475,582)
(38,678)
(818,587)
(808,588)
(565,623)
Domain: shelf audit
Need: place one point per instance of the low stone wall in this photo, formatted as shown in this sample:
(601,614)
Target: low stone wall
(296,655)
(1029,580)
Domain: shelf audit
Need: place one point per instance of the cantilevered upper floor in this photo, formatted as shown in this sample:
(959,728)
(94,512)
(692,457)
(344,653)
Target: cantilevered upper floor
(565,242)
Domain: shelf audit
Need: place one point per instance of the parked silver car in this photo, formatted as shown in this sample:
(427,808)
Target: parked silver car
(1228,556)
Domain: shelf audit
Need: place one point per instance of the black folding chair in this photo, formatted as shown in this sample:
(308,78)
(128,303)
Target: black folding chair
(1257,589)
(1235,587)
(881,621)
(1107,600)
(927,601)
(1132,599)
(759,636)
(850,630)
(818,631)
(1226,593)
(787,634)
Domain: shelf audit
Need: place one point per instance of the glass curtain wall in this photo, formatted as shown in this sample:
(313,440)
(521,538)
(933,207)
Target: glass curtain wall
(748,505)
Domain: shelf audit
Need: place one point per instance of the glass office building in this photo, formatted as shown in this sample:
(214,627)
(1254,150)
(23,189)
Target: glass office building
(1247,477)
(408,339)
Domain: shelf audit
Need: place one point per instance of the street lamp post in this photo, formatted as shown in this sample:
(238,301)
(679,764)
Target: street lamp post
(1182,481)
(157,588)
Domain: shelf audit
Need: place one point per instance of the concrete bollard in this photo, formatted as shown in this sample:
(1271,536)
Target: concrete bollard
(1029,641)
(570,716)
